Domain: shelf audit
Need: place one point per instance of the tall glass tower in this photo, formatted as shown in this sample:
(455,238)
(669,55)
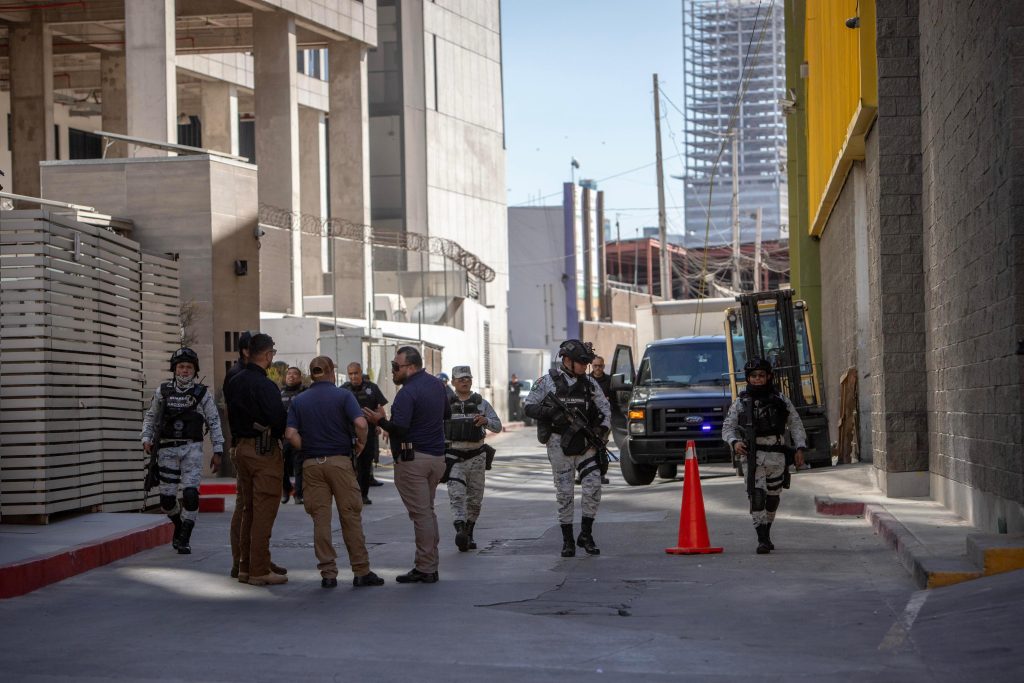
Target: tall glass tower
(732,47)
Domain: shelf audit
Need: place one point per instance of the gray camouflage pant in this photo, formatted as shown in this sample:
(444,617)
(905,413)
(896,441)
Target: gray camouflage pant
(180,465)
(768,475)
(465,499)
(563,470)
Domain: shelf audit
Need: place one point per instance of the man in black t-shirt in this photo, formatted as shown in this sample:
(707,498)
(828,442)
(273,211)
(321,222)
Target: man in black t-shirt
(369,396)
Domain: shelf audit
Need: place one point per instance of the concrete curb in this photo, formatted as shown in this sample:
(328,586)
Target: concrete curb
(28,575)
(928,571)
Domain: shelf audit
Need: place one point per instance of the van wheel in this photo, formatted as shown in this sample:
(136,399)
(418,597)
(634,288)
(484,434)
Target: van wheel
(635,475)
(667,470)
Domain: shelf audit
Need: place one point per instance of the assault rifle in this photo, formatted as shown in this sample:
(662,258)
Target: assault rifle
(579,424)
(152,469)
(750,438)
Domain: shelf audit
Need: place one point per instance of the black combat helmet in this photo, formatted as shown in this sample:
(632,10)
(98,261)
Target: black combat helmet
(577,351)
(185,355)
(756,363)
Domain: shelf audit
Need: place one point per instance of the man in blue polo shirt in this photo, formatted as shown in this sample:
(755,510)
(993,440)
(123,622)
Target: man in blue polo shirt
(416,429)
(322,422)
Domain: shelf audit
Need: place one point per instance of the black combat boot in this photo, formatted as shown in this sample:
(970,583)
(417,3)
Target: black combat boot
(461,537)
(586,538)
(185,536)
(568,543)
(176,520)
(763,542)
(768,536)
(469,532)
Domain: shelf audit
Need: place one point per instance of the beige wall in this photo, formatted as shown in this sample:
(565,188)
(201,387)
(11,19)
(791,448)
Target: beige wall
(200,208)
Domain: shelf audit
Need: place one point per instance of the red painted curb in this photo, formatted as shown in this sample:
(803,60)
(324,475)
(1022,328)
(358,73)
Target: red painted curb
(224,489)
(211,504)
(839,508)
(28,575)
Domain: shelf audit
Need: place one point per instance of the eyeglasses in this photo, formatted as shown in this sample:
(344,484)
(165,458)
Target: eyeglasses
(597,365)
(395,367)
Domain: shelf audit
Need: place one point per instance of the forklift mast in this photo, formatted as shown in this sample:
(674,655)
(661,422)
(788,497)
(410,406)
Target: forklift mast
(786,359)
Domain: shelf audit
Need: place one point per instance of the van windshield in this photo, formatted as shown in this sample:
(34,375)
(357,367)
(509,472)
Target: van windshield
(684,365)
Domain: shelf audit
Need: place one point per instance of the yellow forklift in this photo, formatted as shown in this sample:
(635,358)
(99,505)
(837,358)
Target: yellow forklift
(775,327)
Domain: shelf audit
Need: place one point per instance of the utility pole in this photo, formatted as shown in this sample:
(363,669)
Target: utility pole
(666,273)
(735,210)
(757,248)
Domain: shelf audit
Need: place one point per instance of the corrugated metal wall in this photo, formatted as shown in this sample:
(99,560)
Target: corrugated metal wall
(842,96)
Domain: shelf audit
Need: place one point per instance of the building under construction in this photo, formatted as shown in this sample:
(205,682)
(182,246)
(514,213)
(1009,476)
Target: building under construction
(735,134)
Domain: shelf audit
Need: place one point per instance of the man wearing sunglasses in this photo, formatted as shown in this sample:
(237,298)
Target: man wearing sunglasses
(416,429)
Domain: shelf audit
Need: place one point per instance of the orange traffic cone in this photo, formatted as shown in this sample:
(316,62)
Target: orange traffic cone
(693,525)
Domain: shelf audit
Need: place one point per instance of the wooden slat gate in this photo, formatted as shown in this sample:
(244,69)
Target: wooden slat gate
(87,323)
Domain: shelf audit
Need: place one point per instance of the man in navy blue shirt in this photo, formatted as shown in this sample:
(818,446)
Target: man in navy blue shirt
(416,429)
(323,422)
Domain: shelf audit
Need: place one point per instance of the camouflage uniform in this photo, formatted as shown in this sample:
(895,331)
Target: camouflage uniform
(770,466)
(180,461)
(466,479)
(564,467)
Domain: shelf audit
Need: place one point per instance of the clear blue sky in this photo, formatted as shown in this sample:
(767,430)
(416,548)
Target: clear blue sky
(578,83)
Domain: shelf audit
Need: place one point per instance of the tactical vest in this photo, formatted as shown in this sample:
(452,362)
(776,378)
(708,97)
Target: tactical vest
(581,397)
(460,427)
(288,395)
(770,414)
(181,417)
(365,395)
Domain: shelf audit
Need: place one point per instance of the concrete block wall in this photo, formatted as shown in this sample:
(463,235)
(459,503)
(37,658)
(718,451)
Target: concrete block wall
(838,302)
(895,261)
(972,124)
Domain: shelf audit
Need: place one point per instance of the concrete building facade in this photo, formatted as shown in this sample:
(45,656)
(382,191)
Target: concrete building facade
(915,189)
(437,171)
(288,87)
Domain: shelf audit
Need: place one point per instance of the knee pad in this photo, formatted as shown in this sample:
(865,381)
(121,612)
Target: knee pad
(772,504)
(168,503)
(758,500)
(190,499)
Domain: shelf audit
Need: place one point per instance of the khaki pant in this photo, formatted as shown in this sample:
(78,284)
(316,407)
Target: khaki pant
(416,481)
(259,485)
(241,502)
(332,479)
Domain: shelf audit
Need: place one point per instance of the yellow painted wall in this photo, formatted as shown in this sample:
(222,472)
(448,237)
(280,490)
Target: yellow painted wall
(842,96)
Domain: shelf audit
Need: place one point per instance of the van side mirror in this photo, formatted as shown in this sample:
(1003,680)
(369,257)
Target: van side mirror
(619,383)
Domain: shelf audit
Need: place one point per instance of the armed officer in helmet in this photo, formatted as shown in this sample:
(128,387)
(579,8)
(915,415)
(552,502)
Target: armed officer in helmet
(567,447)
(466,454)
(173,427)
(758,421)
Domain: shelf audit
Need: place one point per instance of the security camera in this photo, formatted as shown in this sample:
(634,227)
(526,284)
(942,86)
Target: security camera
(258,232)
(853,22)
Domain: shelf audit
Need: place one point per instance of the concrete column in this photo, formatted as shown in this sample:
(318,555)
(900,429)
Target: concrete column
(219,116)
(152,91)
(113,77)
(32,141)
(312,143)
(349,161)
(277,138)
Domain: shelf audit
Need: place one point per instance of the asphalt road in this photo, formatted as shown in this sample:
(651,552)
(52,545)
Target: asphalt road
(830,603)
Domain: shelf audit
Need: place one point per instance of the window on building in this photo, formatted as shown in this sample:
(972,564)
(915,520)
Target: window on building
(247,139)
(84,145)
(191,134)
